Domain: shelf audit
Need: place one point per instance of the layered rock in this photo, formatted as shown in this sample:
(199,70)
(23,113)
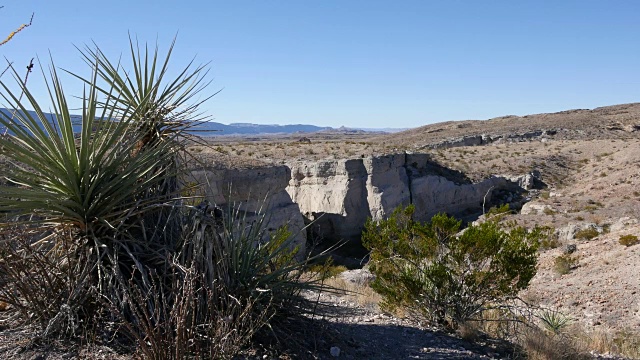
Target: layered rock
(336,197)
(332,194)
(387,184)
(254,191)
(435,194)
(339,195)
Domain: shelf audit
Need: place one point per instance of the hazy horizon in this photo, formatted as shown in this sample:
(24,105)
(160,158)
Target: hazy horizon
(358,64)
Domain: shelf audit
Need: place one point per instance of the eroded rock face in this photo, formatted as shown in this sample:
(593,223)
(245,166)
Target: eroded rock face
(435,194)
(332,194)
(387,184)
(339,195)
(255,191)
(336,197)
(529,181)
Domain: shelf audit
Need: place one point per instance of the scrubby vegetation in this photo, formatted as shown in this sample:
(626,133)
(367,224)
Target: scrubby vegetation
(587,234)
(563,264)
(445,276)
(628,240)
(97,239)
(326,270)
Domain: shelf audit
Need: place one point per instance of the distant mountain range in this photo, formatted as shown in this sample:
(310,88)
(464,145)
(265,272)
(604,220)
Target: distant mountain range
(211,128)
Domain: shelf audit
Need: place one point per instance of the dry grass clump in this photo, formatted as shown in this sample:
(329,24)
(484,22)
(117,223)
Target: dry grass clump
(543,333)
(563,264)
(540,345)
(360,293)
(622,342)
(587,234)
(326,270)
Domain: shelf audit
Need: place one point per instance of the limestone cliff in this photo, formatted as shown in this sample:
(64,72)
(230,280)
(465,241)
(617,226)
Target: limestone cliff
(254,191)
(339,195)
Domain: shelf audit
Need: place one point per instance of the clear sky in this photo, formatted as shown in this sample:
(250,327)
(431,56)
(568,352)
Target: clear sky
(361,63)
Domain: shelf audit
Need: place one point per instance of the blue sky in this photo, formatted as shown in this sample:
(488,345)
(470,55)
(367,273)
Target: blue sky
(360,63)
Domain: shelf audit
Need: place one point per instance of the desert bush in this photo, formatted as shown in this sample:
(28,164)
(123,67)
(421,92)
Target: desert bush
(445,276)
(40,283)
(498,212)
(628,240)
(586,234)
(563,264)
(226,283)
(327,269)
(548,240)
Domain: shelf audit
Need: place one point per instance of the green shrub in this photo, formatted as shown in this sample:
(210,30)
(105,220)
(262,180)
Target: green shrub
(445,277)
(549,243)
(586,234)
(563,264)
(628,240)
(498,212)
(326,270)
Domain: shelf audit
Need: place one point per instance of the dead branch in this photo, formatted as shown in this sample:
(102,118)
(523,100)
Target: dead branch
(13,33)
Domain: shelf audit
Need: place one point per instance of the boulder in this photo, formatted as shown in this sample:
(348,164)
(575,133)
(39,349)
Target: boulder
(529,181)
(534,208)
(569,232)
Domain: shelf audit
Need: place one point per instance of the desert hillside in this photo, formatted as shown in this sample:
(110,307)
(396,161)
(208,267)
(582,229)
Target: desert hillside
(575,172)
(588,163)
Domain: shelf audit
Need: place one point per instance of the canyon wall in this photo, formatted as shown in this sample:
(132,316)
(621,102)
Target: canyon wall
(334,198)
(254,191)
(339,195)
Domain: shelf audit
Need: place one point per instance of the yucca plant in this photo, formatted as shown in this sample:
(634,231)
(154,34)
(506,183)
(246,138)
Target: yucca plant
(228,281)
(95,221)
(553,320)
(164,108)
(112,186)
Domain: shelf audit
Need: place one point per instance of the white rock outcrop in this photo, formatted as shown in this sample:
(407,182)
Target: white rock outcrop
(339,195)
(435,194)
(387,184)
(569,232)
(535,208)
(255,191)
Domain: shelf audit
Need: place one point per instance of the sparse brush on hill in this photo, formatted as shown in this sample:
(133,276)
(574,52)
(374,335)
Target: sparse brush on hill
(95,232)
(628,240)
(443,276)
